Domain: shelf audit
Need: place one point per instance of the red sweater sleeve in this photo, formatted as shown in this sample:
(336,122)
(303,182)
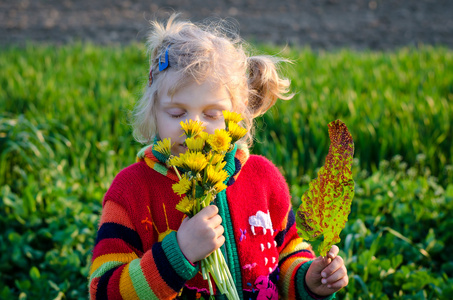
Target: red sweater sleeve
(121,268)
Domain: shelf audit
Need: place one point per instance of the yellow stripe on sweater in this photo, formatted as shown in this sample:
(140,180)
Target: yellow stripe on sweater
(116,257)
(287,270)
(127,290)
(293,246)
(150,162)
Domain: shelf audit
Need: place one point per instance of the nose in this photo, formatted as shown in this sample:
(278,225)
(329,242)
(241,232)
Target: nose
(194,117)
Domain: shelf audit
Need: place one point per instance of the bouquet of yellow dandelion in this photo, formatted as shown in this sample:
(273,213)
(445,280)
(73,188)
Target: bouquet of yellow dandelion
(201,177)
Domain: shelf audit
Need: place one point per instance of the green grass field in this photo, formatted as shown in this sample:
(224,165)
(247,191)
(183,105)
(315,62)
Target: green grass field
(64,134)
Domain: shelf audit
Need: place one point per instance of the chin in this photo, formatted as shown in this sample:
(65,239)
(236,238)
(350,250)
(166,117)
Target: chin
(179,150)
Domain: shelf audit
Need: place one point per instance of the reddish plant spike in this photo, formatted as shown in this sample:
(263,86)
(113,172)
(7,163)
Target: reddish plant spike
(328,198)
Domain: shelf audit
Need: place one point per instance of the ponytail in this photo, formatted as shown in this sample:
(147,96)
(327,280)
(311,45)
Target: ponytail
(265,84)
(198,52)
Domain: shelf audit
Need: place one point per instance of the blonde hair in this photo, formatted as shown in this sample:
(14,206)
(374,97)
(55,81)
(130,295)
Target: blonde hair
(200,52)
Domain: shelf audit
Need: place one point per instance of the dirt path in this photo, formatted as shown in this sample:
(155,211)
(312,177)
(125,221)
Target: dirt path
(322,24)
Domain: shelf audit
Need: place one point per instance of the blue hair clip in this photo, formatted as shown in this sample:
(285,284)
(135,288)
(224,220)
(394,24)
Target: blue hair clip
(165,64)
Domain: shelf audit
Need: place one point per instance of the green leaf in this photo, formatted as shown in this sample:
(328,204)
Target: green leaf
(396,261)
(23,285)
(53,285)
(14,237)
(34,273)
(5,293)
(327,202)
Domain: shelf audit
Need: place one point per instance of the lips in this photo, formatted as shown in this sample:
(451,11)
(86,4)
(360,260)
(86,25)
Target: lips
(182,148)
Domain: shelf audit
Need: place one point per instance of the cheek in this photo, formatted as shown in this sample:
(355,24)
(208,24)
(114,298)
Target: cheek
(160,127)
(213,125)
(168,128)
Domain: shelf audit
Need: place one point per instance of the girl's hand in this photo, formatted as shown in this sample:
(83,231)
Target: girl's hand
(327,275)
(201,235)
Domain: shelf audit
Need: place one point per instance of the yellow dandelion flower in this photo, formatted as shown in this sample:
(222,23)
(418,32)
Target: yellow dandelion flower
(220,140)
(236,132)
(195,143)
(220,186)
(194,161)
(176,161)
(185,206)
(203,135)
(182,186)
(192,128)
(231,116)
(220,165)
(216,158)
(163,147)
(215,176)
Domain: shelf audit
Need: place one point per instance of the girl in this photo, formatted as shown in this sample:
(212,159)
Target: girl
(145,248)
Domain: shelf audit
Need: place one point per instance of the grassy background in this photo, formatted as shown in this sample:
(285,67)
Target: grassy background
(64,135)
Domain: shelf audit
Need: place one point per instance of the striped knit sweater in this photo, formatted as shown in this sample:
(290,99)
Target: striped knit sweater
(136,255)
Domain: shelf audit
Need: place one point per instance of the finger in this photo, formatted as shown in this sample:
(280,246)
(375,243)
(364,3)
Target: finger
(217,243)
(337,275)
(337,285)
(209,211)
(215,221)
(219,230)
(318,265)
(333,252)
(336,264)
(220,241)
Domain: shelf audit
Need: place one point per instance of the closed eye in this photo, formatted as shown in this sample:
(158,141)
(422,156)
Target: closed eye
(176,116)
(213,114)
(176,113)
(212,117)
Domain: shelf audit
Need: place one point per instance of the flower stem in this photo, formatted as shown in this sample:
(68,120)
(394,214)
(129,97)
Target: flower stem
(216,266)
(177,172)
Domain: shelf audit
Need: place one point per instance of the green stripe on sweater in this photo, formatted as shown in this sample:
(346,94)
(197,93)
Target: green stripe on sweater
(224,212)
(139,281)
(104,268)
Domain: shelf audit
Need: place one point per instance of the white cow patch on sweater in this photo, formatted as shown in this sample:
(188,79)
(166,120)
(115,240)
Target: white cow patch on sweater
(261,220)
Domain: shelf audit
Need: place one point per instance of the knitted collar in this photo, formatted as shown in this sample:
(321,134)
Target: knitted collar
(235,160)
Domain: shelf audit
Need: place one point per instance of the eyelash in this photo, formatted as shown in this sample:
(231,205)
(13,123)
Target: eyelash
(216,117)
(176,116)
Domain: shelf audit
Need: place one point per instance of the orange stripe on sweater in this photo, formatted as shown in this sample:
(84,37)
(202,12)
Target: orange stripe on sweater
(115,213)
(242,154)
(154,279)
(284,222)
(94,287)
(293,246)
(288,271)
(149,151)
(119,257)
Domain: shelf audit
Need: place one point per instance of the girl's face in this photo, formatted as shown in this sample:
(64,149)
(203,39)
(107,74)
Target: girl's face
(199,102)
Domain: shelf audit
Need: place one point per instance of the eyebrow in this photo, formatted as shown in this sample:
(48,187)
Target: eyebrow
(218,104)
(172,104)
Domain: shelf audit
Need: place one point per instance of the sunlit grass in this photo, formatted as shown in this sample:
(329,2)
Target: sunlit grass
(393,103)
(64,135)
